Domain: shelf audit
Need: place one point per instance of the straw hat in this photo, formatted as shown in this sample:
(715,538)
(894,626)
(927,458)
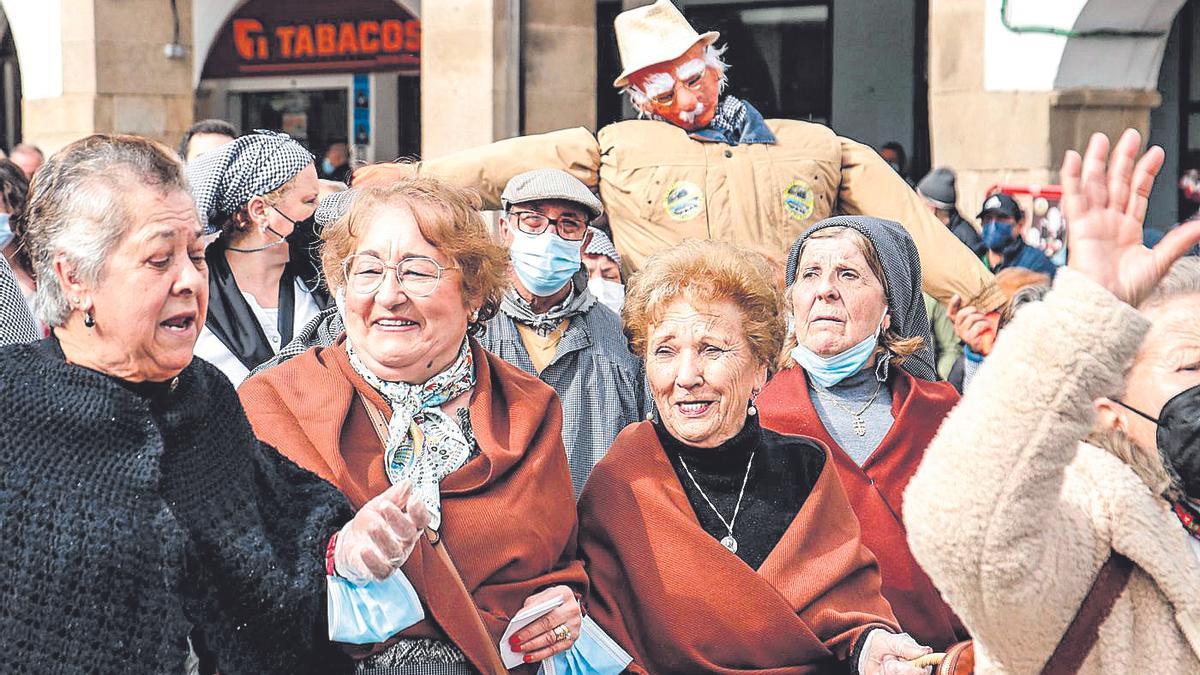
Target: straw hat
(654,34)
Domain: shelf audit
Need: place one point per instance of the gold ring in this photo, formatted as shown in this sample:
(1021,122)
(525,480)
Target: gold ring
(562,632)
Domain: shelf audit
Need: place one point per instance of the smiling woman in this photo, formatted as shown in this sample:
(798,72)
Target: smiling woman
(704,490)
(407,395)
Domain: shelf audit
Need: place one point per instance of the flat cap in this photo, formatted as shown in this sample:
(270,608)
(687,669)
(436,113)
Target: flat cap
(549,184)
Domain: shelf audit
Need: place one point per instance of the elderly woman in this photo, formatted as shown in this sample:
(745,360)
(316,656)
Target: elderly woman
(715,545)
(258,193)
(1048,521)
(405,394)
(138,515)
(859,377)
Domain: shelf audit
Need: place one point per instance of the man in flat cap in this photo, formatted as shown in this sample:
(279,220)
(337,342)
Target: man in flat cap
(702,165)
(551,326)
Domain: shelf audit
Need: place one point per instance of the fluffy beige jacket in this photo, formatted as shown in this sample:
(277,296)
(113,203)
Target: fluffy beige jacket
(1012,517)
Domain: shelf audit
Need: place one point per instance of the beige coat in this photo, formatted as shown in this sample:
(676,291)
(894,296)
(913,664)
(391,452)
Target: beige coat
(1012,518)
(659,187)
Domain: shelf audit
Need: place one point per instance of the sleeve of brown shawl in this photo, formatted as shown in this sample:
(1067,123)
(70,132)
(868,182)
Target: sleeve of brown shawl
(871,188)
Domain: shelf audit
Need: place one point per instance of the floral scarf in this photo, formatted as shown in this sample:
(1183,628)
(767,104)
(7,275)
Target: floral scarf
(424,444)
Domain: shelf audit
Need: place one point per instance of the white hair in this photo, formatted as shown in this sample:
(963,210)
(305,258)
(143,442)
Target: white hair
(661,82)
(79,207)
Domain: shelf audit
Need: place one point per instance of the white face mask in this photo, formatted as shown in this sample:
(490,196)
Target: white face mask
(610,293)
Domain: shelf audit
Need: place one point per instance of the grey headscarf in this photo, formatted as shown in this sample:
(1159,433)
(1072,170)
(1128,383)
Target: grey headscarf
(602,245)
(902,283)
(224,179)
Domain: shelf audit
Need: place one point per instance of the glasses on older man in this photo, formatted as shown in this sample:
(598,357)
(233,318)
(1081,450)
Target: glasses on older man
(567,227)
(418,276)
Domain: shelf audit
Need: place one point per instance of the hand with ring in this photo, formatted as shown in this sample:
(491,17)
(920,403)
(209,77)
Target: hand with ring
(552,633)
(381,536)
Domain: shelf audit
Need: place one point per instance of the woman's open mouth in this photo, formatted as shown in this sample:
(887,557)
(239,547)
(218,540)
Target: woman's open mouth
(180,324)
(395,324)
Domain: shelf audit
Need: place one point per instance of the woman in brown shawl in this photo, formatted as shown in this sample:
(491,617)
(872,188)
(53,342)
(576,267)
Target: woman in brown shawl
(715,545)
(415,273)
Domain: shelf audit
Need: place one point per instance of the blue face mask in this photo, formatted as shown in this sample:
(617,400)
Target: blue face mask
(829,370)
(6,233)
(327,166)
(544,262)
(997,235)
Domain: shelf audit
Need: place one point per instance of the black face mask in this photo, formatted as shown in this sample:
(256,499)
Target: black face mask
(1178,438)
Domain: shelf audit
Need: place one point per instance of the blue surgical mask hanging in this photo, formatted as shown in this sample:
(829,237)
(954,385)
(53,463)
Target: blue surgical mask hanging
(830,370)
(544,262)
(6,233)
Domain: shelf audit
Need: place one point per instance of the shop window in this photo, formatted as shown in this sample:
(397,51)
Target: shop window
(315,118)
(780,56)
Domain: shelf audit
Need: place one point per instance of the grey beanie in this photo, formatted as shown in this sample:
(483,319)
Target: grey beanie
(902,282)
(938,187)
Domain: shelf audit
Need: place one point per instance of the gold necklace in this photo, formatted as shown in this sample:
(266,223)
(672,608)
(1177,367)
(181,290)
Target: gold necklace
(860,427)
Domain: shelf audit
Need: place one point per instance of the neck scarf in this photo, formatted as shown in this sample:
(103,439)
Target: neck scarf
(424,444)
(1188,516)
(735,122)
(578,301)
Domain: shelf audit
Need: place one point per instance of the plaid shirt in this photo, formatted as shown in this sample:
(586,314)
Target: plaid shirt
(600,383)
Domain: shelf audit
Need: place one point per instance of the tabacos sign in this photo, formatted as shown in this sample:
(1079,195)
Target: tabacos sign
(267,37)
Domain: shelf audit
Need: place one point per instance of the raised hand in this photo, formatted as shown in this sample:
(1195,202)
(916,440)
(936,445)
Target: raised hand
(381,536)
(976,328)
(1105,200)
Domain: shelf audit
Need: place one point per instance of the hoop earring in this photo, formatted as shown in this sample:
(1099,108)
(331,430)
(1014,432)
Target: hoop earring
(88,319)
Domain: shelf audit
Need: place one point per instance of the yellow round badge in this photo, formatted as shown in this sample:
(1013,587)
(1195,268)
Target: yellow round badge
(683,200)
(798,200)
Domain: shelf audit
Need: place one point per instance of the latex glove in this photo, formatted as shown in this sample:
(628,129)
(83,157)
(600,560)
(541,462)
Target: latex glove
(889,653)
(381,536)
(1105,201)
(537,640)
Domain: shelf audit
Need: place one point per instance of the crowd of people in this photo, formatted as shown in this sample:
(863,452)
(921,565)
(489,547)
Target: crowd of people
(673,413)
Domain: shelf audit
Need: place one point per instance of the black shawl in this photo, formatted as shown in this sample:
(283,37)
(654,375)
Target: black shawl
(131,518)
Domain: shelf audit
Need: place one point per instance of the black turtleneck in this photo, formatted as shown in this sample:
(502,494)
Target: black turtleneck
(784,472)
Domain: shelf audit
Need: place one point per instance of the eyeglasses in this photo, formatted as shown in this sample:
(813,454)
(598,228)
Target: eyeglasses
(418,276)
(532,222)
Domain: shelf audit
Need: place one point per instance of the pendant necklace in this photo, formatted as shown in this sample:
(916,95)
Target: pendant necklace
(727,541)
(860,426)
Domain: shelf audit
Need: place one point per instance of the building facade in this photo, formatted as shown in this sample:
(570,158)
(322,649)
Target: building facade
(997,89)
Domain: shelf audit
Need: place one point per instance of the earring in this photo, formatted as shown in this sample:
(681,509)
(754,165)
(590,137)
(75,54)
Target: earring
(474,316)
(88,319)
(752,410)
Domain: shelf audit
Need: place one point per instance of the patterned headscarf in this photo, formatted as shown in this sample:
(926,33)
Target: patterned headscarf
(424,444)
(602,245)
(332,207)
(224,179)
(902,282)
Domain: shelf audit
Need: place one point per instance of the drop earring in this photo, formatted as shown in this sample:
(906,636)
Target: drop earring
(752,410)
(88,319)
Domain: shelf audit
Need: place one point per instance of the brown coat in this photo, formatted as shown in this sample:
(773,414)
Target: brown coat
(508,515)
(676,600)
(661,187)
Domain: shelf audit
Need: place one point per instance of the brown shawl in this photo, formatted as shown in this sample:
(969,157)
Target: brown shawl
(674,598)
(508,514)
(876,490)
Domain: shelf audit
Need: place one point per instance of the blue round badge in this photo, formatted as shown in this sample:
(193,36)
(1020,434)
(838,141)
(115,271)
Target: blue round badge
(683,200)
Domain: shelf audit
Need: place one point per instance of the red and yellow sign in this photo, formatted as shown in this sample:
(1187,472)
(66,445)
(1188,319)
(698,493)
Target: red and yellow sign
(312,36)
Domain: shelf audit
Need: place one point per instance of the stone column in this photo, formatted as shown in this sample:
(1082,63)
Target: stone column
(115,76)
(475,55)
(991,137)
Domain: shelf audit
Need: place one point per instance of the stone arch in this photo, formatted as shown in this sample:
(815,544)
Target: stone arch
(208,22)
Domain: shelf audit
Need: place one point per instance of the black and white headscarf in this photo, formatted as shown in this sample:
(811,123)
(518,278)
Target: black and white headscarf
(602,245)
(16,324)
(332,207)
(224,179)
(902,282)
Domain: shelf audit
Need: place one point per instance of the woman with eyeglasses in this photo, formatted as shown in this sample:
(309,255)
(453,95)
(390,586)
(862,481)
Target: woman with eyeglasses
(416,275)
(257,195)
